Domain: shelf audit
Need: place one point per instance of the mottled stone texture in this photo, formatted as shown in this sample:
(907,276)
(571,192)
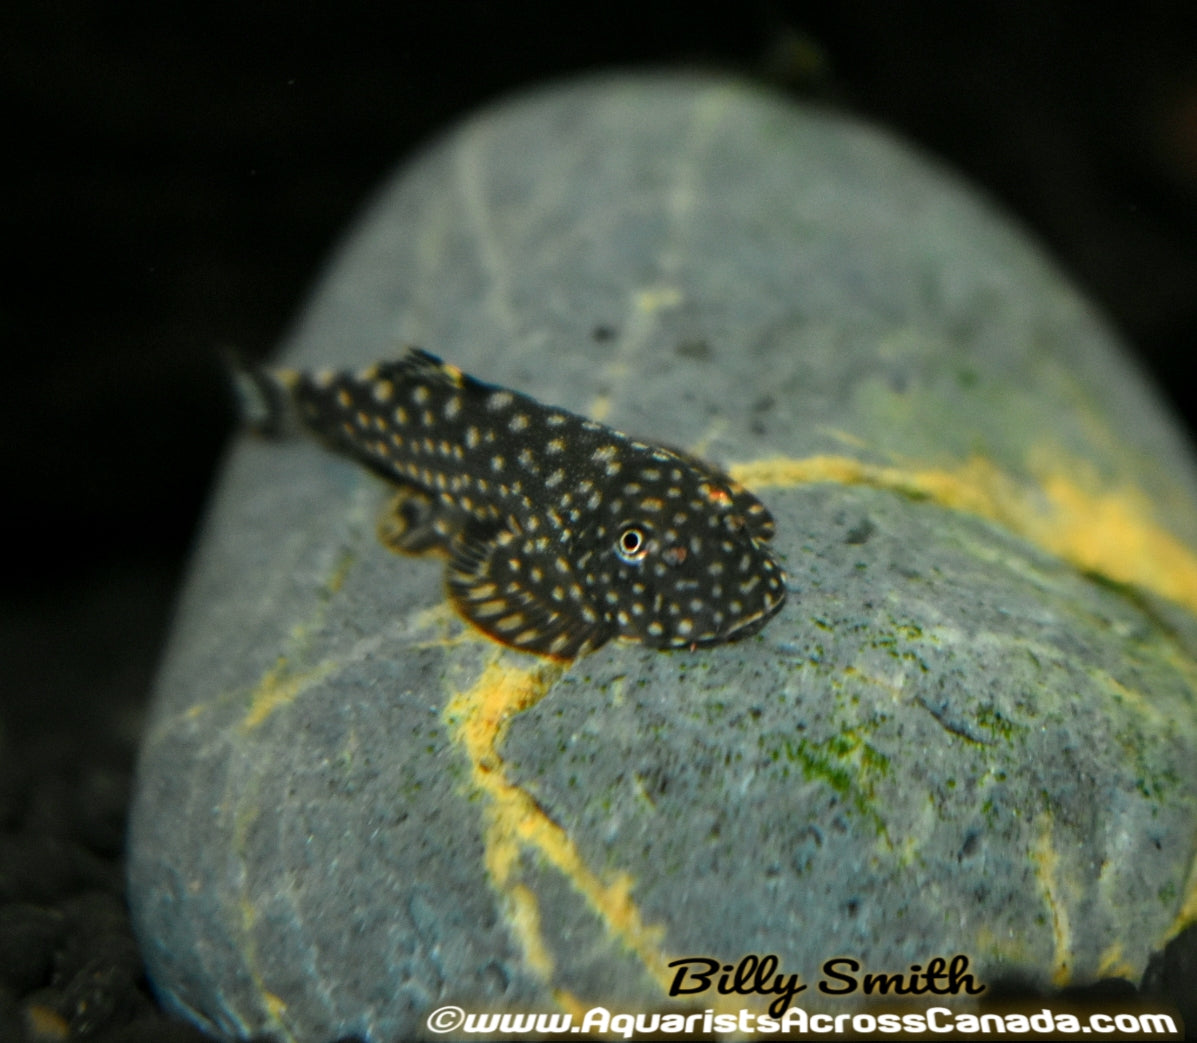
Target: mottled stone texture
(973,728)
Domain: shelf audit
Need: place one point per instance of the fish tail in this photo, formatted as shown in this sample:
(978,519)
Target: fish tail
(264,397)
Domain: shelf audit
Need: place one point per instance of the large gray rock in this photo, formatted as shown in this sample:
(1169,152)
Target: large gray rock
(972,729)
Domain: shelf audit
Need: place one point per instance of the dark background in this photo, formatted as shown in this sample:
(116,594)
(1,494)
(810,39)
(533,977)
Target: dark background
(177,172)
(173,176)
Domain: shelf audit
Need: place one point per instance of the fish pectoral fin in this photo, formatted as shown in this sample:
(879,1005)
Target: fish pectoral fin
(497,591)
(413,523)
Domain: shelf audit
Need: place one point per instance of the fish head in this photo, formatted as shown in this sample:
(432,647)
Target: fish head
(679,556)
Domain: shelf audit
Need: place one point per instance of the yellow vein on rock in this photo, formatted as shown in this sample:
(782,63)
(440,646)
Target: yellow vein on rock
(1046,860)
(478,718)
(1107,531)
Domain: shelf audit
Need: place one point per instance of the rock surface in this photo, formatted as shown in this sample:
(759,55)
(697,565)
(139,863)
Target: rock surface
(973,728)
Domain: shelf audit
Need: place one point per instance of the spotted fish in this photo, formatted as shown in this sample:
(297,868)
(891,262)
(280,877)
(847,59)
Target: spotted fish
(560,533)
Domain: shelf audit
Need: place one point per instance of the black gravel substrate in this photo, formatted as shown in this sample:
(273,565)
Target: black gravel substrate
(69,965)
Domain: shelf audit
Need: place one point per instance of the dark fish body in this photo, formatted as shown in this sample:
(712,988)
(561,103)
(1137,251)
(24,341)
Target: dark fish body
(561,533)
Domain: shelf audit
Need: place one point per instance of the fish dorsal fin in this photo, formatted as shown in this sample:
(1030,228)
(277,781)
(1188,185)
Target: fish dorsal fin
(417,361)
(420,365)
(520,599)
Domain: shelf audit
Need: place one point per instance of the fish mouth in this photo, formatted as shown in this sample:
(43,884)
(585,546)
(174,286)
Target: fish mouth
(739,628)
(746,626)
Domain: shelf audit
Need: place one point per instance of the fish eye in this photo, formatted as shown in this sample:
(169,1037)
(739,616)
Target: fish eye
(631,544)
